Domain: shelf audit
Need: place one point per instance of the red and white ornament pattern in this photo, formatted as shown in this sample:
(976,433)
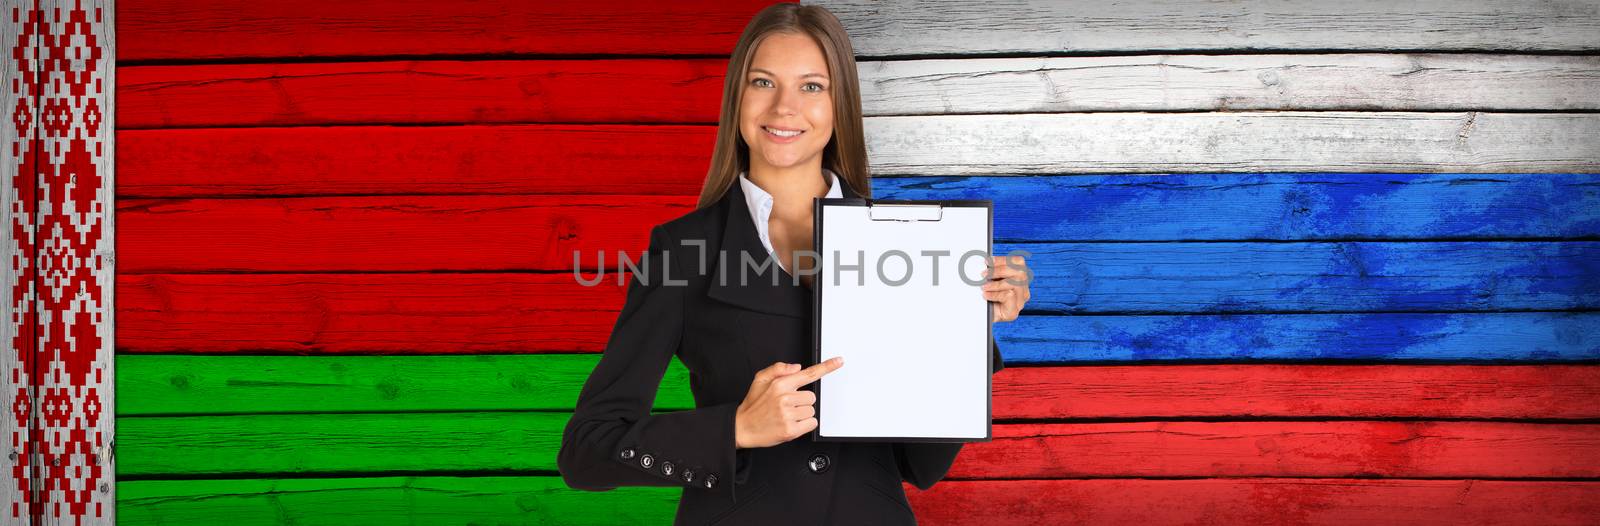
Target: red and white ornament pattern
(58,211)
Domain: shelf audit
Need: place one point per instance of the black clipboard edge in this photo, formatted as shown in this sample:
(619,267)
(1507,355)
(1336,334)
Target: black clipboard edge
(818,203)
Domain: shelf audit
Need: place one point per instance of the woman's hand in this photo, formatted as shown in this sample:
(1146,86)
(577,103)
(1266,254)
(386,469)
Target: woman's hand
(775,411)
(1007,289)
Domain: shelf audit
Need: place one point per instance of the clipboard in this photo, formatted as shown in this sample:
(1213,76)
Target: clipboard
(914,334)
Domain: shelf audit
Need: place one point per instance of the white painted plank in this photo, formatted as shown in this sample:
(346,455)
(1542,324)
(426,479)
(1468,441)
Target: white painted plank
(1462,142)
(85,376)
(14,377)
(934,27)
(1385,82)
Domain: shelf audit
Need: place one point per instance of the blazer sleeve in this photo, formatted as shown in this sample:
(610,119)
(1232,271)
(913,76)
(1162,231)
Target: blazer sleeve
(613,439)
(923,464)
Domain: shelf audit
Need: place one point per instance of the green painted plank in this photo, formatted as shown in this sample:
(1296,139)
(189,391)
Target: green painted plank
(389,500)
(231,384)
(338,443)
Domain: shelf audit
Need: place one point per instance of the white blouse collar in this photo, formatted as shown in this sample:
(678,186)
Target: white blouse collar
(760,204)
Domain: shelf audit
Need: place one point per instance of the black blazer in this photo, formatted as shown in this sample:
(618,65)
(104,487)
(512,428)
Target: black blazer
(724,332)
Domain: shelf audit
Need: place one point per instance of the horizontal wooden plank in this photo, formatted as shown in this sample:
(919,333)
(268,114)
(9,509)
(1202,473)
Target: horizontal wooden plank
(1472,142)
(395,500)
(388,500)
(689,90)
(1427,337)
(904,27)
(438,160)
(338,443)
(671,160)
(336,313)
(1258,501)
(492,233)
(1311,276)
(1273,206)
(421,92)
(241,29)
(364,313)
(407,233)
(1383,82)
(507,441)
(1290,449)
(175,385)
(1298,391)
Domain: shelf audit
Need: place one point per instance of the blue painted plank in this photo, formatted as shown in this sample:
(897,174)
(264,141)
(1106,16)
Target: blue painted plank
(1263,277)
(1276,206)
(1527,336)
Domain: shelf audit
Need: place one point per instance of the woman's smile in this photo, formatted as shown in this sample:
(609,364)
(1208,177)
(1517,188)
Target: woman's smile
(782,135)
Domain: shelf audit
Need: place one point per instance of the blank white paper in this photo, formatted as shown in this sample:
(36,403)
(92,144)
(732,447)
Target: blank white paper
(915,355)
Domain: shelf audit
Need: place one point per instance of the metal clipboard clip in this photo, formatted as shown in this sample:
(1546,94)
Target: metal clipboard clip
(905,212)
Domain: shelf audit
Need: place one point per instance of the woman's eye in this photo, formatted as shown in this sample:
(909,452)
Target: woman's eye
(812,86)
(764,83)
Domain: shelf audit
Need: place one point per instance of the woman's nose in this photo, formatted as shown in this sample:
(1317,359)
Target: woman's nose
(785,103)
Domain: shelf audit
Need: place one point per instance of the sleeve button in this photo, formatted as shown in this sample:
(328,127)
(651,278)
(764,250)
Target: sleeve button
(666,468)
(627,454)
(646,460)
(688,475)
(711,481)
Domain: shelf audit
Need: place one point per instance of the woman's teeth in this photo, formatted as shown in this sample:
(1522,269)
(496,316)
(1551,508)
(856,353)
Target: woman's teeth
(783,133)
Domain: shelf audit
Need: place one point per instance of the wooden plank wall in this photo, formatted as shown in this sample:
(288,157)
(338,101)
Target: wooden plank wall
(1299,263)
(347,229)
(1300,208)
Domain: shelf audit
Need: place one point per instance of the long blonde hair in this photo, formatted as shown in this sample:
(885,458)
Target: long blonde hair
(846,152)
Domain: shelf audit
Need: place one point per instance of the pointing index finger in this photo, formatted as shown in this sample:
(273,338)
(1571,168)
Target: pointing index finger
(809,374)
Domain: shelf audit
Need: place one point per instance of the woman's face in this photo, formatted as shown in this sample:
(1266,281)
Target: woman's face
(786,114)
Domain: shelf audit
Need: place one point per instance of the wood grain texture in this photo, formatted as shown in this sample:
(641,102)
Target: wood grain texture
(959,27)
(421,92)
(1546,391)
(499,442)
(327,444)
(1311,276)
(1366,81)
(405,233)
(390,500)
(294,29)
(365,313)
(339,313)
(386,500)
(192,385)
(1421,337)
(505,233)
(1470,142)
(434,160)
(688,90)
(1258,501)
(1283,449)
(1284,207)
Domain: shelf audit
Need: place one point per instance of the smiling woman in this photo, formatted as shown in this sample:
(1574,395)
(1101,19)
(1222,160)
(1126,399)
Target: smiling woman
(790,131)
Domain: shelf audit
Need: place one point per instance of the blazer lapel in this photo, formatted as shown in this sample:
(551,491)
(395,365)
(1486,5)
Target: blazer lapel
(771,290)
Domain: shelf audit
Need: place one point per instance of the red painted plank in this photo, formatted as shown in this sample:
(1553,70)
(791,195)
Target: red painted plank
(1360,391)
(429,92)
(363,313)
(1257,501)
(433,233)
(543,159)
(1284,449)
(232,29)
